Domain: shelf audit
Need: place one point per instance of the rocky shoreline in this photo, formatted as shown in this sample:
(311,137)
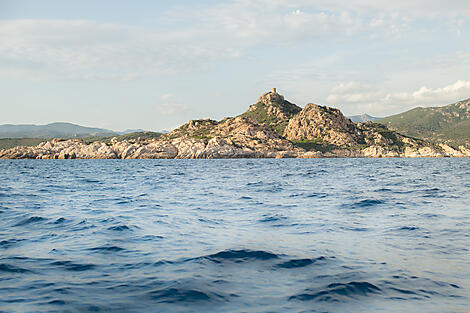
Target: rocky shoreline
(216,148)
(271,128)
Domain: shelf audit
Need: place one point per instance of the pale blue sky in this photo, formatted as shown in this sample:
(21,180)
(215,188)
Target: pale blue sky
(157,64)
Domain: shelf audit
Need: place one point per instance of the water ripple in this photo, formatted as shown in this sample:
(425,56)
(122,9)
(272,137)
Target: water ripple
(317,235)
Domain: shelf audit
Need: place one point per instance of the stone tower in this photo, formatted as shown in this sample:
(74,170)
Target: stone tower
(270,97)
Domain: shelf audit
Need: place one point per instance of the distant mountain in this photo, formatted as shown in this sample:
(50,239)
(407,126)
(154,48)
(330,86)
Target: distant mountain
(449,124)
(53,130)
(128,131)
(363,118)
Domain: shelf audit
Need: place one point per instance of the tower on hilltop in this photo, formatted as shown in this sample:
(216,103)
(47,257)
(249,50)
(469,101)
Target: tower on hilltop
(270,97)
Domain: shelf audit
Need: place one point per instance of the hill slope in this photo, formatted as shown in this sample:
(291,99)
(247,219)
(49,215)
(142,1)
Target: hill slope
(53,130)
(314,128)
(272,110)
(449,124)
(271,128)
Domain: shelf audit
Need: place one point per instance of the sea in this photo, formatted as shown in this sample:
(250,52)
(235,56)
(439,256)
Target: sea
(244,235)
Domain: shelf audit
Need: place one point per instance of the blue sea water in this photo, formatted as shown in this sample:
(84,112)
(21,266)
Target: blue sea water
(295,235)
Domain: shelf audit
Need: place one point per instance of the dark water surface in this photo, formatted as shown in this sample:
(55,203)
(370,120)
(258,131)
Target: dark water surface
(318,235)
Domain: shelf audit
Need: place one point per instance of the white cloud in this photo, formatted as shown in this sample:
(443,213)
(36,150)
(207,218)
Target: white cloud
(345,88)
(166,97)
(352,92)
(204,34)
(414,9)
(87,49)
(284,21)
(270,23)
(69,49)
(130,77)
(171,107)
(429,96)
(357,98)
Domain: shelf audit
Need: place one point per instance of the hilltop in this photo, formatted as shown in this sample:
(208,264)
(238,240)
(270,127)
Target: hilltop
(271,128)
(448,124)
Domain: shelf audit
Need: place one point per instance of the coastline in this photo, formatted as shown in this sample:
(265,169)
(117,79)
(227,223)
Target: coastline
(216,148)
(271,128)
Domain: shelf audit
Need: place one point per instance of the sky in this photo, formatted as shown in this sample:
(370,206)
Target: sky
(154,65)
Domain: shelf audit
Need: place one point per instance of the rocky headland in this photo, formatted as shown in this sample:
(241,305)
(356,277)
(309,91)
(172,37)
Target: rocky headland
(271,128)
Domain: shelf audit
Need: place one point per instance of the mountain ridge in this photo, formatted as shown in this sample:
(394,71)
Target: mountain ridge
(50,130)
(448,124)
(363,118)
(270,128)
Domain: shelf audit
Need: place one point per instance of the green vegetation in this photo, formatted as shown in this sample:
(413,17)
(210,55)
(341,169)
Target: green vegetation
(199,129)
(141,135)
(259,112)
(386,133)
(449,124)
(131,137)
(7,143)
(314,145)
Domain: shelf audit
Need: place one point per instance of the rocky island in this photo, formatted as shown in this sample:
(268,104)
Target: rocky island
(271,128)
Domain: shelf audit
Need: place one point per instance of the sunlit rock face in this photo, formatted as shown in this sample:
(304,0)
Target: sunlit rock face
(316,122)
(270,128)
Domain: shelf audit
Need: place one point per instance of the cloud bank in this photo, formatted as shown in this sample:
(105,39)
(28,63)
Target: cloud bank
(90,49)
(368,99)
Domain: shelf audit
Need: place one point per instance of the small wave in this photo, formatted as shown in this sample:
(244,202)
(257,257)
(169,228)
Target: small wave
(107,249)
(404,287)
(431,190)
(183,295)
(408,228)
(33,219)
(309,173)
(119,228)
(163,262)
(272,218)
(355,228)
(432,193)
(404,291)
(60,220)
(297,263)
(12,269)
(9,243)
(89,181)
(256,184)
(338,291)
(384,190)
(73,267)
(151,237)
(317,195)
(239,256)
(367,203)
(179,174)
(56,302)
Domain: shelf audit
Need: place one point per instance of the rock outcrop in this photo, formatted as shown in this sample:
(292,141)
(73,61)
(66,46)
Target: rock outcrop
(271,128)
(272,110)
(321,123)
